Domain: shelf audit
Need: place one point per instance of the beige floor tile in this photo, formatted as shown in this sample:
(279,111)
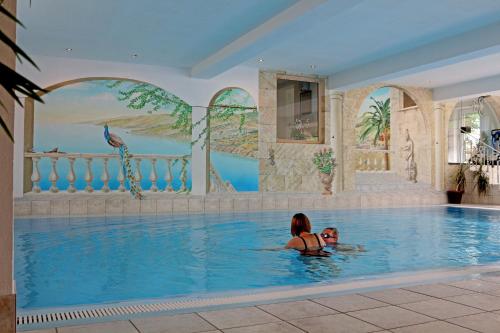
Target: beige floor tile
(439,290)
(238,317)
(493,292)
(339,323)
(49,330)
(491,278)
(397,296)
(296,310)
(391,317)
(480,301)
(440,309)
(280,327)
(111,327)
(182,323)
(433,327)
(475,285)
(348,303)
(483,322)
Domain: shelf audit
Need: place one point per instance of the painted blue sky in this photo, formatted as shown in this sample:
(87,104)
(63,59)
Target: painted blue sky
(82,102)
(380,94)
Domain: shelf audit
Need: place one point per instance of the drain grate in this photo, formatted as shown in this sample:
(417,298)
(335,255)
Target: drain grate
(102,312)
(33,318)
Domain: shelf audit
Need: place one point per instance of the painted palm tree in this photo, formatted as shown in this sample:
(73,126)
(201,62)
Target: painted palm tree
(376,124)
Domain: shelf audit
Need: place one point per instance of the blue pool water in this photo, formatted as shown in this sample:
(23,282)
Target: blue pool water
(74,261)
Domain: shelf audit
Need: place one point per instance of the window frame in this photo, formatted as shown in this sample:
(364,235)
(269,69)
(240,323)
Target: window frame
(321,107)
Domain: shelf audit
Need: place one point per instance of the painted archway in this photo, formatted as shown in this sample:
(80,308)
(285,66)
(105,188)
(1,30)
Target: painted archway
(149,119)
(416,118)
(234,139)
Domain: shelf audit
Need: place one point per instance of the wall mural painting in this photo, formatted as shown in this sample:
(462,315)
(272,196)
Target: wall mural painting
(374,120)
(148,119)
(234,139)
(373,128)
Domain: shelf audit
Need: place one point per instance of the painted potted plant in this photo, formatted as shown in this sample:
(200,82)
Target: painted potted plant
(459,180)
(325,163)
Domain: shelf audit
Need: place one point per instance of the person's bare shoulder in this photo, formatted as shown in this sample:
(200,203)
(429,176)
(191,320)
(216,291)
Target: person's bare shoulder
(292,243)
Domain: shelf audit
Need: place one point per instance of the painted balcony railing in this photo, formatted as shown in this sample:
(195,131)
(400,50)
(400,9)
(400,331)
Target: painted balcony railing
(372,160)
(88,173)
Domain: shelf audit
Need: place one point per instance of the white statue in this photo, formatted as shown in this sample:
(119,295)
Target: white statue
(411,166)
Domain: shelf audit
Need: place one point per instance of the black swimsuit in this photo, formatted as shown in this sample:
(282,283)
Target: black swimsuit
(314,253)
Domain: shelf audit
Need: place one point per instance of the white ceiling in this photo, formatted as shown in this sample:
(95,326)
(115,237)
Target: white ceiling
(176,33)
(446,75)
(336,36)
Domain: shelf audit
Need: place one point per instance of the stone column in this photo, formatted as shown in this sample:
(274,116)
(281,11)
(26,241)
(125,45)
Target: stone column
(7,292)
(438,146)
(200,152)
(336,124)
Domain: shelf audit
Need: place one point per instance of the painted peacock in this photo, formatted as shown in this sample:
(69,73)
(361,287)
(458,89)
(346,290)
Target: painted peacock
(116,142)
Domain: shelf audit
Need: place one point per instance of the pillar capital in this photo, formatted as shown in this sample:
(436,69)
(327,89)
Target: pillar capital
(336,94)
(438,106)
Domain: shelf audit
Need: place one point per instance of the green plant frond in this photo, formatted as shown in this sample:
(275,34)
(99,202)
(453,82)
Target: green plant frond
(5,12)
(12,82)
(373,123)
(20,54)
(4,126)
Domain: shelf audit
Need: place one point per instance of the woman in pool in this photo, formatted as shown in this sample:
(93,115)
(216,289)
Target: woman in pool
(308,244)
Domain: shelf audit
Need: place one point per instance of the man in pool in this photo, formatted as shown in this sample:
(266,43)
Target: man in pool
(331,237)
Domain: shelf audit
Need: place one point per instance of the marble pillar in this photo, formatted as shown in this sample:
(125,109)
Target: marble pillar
(336,119)
(438,146)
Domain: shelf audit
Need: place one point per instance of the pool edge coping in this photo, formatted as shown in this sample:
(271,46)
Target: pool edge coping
(169,306)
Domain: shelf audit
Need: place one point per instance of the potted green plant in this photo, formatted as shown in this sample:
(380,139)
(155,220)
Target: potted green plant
(459,180)
(325,163)
(482,181)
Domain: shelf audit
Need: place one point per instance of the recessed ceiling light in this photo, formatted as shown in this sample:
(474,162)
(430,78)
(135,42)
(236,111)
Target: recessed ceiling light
(134,55)
(68,49)
(260,60)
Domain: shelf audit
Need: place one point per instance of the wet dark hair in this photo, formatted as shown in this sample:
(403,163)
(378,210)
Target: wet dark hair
(300,223)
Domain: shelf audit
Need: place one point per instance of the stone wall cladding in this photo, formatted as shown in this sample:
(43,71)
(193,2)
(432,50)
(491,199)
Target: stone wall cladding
(293,170)
(39,205)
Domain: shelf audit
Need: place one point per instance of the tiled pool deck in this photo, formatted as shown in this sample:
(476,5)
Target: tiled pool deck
(471,305)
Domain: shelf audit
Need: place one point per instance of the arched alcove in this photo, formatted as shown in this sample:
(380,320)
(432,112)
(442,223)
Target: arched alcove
(149,119)
(410,111)
(476,117)
(234,139)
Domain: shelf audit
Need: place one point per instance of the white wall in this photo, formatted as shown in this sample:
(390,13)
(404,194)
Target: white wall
(196,92)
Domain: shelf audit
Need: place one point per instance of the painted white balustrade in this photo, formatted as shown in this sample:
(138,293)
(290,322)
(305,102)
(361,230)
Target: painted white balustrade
(66,165)
(372,160)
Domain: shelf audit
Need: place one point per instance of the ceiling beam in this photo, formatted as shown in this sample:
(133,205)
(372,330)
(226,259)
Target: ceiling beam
(300,16)
(466,89)
(466,46)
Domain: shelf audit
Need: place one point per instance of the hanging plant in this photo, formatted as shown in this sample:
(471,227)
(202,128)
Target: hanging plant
(141,95)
